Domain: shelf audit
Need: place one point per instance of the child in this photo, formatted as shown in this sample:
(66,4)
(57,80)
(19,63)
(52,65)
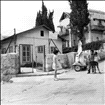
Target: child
(91,62)
(55,61)
(96,58)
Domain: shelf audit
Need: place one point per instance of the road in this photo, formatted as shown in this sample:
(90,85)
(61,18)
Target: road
(72,88)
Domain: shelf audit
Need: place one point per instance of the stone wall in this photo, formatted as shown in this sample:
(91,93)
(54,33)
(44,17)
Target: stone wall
(63,61)
(9,63)
(71,58)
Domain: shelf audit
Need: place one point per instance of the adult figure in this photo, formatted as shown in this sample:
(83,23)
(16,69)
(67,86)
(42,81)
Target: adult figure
(79,47)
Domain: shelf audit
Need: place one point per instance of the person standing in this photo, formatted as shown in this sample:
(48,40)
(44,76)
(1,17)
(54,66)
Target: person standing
(96,58)
(55,63)
(91,62)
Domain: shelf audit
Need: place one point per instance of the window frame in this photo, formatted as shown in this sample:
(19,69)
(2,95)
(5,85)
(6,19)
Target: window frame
(25,52)
(40,49)
(42,33)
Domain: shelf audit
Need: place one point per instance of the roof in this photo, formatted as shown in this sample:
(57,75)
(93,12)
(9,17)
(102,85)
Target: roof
(64,15)
(67,15)
(96,11)
(27,31)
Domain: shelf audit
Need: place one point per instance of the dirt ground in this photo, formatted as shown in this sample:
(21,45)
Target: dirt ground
(72,88)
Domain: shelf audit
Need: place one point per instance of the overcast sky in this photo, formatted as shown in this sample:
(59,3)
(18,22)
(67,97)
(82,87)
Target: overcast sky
(22,14)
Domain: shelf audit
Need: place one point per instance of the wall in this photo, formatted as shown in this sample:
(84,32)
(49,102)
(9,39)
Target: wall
(58,43)
(98,15)
(6,43)
(66,60)
(94,35)
(33,38)
(9,63)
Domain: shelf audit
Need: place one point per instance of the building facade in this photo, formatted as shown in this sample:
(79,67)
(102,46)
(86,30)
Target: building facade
(93,32)
(31,45)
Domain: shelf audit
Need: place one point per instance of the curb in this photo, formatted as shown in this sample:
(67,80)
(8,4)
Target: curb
(35,74)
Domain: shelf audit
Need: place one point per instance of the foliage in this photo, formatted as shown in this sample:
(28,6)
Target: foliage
(89,46)
(79,17)
(45,18)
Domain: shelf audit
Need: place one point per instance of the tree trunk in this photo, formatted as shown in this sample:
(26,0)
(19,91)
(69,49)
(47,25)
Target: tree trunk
(81,35)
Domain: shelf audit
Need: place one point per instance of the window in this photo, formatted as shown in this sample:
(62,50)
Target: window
(10,49)
(26,53)
(97,38)
(42,33)
(3,50)
(94,19)
(40,49)
(52,49)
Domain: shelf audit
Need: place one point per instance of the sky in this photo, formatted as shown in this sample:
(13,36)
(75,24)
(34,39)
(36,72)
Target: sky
(21,15)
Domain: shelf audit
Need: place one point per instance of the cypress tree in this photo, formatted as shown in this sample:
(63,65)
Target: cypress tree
(79,17)
(45,18)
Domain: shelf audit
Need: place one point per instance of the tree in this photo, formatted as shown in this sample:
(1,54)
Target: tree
(50,21)
(45,18)
(39,19)
(79,17)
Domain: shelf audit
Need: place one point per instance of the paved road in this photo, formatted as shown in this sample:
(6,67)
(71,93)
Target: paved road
(72,88)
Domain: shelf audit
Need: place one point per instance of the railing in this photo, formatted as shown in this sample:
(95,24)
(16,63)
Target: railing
(98,27)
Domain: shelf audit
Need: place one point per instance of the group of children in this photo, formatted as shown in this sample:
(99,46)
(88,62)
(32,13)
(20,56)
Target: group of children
(93,63)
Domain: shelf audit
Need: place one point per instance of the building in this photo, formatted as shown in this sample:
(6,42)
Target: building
(32,44)
(93,32)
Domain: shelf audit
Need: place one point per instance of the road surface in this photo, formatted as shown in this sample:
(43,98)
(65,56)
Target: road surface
(72,88)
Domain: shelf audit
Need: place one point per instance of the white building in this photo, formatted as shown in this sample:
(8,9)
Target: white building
(32,44)
(95,30)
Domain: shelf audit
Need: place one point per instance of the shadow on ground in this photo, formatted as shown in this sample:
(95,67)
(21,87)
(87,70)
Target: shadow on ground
(66,78)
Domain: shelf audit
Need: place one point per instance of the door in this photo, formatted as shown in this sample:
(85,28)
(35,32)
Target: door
(40,57)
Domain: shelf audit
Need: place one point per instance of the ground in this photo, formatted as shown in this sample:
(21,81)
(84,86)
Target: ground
(72,88)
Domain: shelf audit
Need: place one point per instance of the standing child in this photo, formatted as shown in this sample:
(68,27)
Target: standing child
(96,58)
(91,62)
(55,61)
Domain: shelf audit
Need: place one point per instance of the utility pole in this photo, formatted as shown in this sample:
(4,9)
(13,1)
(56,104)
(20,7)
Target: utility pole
(15,38)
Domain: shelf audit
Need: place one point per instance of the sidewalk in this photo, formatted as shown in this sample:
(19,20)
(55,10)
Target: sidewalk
(40,73)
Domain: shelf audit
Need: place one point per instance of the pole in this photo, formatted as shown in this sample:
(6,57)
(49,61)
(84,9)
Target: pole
(44,63)
(15,40)
(19,61)
(32,60)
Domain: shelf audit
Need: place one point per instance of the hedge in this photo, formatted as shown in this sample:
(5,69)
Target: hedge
(96,45)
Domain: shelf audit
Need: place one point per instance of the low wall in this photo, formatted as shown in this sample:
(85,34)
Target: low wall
(9,63)
(63,59)
(71,58)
